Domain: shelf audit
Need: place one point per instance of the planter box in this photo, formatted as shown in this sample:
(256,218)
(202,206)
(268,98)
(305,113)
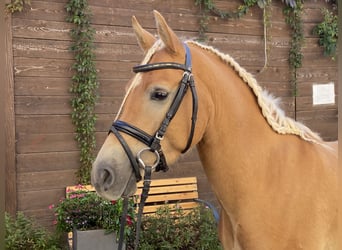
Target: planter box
(94,239)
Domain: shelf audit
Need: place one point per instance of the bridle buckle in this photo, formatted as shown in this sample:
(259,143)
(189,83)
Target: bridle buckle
(159,137)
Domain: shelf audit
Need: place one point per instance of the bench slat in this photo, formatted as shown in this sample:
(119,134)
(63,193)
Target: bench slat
(170,181)
(170,189)
(184,205)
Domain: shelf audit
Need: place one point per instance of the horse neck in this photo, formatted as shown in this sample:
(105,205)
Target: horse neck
(237,135)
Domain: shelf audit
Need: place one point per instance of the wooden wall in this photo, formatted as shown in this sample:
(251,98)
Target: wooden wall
(46,153)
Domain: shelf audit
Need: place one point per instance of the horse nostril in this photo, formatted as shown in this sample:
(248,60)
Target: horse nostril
(107,178)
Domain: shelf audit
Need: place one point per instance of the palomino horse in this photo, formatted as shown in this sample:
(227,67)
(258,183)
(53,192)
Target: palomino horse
(275,179)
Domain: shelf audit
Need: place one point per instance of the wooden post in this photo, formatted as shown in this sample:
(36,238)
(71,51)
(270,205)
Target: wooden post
(7,97)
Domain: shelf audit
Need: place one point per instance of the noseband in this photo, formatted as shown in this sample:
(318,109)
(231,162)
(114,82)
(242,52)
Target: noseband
(153,142)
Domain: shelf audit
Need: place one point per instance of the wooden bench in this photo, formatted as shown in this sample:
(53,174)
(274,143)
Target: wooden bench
(176,192)
(179,192)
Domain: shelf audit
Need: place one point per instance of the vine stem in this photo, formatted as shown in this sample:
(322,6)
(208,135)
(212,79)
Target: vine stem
(265,40)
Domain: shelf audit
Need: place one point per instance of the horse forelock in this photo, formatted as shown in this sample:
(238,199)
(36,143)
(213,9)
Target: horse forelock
(270,109)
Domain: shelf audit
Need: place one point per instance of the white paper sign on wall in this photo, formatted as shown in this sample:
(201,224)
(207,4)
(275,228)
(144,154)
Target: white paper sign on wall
(323,93)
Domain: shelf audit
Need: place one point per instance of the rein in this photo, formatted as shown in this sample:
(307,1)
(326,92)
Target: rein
(153,142)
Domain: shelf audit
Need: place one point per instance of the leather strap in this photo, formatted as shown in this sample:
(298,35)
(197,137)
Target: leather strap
(144,194)
(128,151)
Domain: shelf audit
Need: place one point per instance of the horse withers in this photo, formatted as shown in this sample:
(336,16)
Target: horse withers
(275,179)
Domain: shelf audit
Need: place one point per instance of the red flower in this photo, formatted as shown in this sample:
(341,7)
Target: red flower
(129,220)
(113,202)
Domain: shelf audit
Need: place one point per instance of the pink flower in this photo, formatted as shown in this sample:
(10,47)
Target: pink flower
(54,222)
(79,186)
(68,190)
(80,195)
(51,206)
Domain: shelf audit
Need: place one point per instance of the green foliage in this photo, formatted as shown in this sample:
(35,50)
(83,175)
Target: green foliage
(179,230)
(327,31)
(85,210)
(22,233)
(17,5)
(208,6)
(293,17)
(84,85)
(292,10)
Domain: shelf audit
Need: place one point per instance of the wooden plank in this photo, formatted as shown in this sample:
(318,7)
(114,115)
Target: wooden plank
(9,114)
(43,105)
(41,29)
(45,10)
(44,124)
(183,205)
(41,143)
(48,86)
(35,181)
(170,181)
(166,189)
(60,105)
(41,199)
(39,48)
(305,103)
(49,124)
(309,75)
(171,197)
(51,161)
(43,67)
(42,86)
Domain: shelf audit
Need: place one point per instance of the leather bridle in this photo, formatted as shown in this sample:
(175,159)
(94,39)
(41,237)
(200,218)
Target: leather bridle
(153,142)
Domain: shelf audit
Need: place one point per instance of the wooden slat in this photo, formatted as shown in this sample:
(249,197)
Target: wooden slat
(170,189)
(170,181)
(7,96)
(182,205)
(171,197)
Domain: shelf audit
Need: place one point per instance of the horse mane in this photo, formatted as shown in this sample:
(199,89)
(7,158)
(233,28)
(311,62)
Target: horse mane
(275,116)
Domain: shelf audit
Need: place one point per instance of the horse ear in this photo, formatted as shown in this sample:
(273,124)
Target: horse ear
(166,34)
(145,38)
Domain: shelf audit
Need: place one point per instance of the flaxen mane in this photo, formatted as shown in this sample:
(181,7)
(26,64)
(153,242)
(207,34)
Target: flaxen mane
(275,117)
(268,104)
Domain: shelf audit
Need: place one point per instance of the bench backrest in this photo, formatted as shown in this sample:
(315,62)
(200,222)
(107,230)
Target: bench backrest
(176,192)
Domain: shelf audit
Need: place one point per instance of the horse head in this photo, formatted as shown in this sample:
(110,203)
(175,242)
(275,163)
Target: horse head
(142,133)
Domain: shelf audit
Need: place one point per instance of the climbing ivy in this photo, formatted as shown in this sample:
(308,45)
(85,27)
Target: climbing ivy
(84,84)
(208,6)
(327,31)
(293,12)
(293,17)
(17,5)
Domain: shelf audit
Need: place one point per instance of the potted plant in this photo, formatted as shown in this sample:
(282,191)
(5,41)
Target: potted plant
(83,212)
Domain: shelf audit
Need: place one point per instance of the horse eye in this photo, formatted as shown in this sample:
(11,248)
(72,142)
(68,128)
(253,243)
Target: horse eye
(159,94)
